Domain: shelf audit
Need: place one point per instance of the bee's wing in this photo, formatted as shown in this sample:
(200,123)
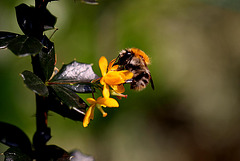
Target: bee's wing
(151,81)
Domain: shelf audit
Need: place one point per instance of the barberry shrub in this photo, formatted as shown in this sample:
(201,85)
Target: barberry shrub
(60,90)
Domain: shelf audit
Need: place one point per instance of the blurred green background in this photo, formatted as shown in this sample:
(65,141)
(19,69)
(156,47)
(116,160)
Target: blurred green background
(192,115)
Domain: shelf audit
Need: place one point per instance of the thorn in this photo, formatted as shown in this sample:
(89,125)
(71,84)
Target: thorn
(71,157)
(53,32)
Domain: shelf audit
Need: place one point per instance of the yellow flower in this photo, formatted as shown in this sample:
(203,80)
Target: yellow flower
(105,102)
(112,77)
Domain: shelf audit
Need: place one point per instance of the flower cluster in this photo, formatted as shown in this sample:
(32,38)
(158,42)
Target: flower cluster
(112,81)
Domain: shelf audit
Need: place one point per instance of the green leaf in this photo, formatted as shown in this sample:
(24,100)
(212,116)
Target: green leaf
(15,154)
(55,105)
(68,97)
(5,38)
(47,57)
(33,20)
(75,76)
(53,153)
(23,45)
(12,136)
(34,83)
(20,45)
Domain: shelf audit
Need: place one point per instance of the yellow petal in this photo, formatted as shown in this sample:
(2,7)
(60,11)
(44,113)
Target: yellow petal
(107,102)
(92,113)
(111,102)
(118,88)
(89,115)
(100,100)
(114,68)
(111,64)
(91,100)
(106,91)
(103,65)
(114,78)
(127,74)
(102,81)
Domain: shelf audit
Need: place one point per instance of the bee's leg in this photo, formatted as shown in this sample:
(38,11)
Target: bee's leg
(129,81)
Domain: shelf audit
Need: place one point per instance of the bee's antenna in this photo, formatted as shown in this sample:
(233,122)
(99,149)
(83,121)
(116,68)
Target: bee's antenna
(116,62)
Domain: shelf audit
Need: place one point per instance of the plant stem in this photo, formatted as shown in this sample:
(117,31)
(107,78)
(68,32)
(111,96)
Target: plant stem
(41,110)
(42,134)
(41,115)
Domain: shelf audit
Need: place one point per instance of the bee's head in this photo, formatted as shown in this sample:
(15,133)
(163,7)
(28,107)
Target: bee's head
(124,57)
(126,53)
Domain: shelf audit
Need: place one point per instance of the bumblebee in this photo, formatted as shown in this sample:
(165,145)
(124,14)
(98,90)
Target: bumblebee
(136,61)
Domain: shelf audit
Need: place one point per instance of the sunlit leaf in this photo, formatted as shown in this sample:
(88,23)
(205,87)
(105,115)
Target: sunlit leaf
(15,154)
(34,83)
(75,71)
(12,136)
(77,75)
(47,57)
(80,88)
